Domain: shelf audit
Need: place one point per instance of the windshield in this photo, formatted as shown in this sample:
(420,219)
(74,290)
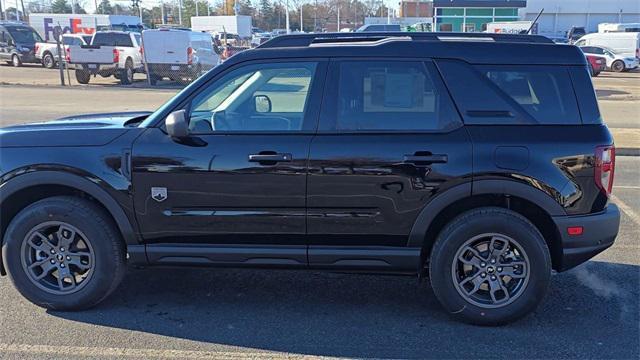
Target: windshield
(24,34)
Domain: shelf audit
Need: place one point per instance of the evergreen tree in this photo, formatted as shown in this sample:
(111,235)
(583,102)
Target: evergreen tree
(60,7)
(104,7)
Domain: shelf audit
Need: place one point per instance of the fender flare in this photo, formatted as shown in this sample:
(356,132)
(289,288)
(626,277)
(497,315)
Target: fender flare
(480,187)
(74,181)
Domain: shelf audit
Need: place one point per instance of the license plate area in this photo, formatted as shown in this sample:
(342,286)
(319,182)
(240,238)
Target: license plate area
(175,67)
(92,66)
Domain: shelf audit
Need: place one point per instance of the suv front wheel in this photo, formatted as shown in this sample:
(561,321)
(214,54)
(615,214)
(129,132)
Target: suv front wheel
(63,253)
(490,266)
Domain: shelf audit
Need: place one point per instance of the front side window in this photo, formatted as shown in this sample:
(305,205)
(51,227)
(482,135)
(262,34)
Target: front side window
(261,97)
(391,96)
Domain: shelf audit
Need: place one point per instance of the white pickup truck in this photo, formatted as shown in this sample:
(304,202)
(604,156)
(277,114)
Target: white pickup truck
(111,53)
(47,52)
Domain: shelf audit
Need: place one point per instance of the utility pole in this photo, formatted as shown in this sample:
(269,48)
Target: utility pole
(286,16)
(301,28)
(338,2)
(73,7)
(180,12)
(197,8)
(162,12)
(17,12)
(315,18)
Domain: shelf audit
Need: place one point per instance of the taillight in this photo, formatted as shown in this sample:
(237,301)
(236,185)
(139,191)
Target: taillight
(36,48)
(116,56)
(605,167)
(141,50)
(189,55)
(67,55)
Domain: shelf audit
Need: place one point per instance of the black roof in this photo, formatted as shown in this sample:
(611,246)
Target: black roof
(473,48)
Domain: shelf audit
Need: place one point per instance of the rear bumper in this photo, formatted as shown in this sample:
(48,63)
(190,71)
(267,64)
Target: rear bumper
(170,70)
(599,233)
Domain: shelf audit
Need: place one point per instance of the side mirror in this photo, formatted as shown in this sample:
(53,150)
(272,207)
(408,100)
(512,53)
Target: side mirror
(177,125)
(262,103)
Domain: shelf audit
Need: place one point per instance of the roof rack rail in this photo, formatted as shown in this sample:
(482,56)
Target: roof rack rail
(304,40)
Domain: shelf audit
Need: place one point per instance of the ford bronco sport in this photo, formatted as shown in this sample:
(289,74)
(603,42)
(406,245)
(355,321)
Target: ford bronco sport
(479,162)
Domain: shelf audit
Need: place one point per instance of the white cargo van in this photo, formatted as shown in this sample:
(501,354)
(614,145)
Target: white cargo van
(623,43)
(177,54)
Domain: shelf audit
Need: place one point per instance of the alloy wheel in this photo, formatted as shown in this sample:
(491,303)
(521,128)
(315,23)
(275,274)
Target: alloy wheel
(490,270)
(57,257)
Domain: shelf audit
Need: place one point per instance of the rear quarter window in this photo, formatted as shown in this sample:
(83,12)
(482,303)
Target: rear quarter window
(512,94)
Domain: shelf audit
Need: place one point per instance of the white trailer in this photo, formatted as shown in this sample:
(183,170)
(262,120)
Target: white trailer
(237,24)
(82,23)
(511,27)
(611,27)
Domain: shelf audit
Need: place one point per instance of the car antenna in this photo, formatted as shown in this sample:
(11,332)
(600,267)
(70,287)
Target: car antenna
(534,22)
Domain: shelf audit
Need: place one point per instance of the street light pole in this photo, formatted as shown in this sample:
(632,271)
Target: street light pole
(286,16)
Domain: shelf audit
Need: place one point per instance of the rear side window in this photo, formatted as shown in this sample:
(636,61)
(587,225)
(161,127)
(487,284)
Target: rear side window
(390,96)
(544,92)
(511,94)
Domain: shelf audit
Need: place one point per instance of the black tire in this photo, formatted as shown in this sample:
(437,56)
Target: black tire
(153,78)
(48,61)
(618,66)
(15,60)
(474,224)
(126,74)
(83,76)
(106,244)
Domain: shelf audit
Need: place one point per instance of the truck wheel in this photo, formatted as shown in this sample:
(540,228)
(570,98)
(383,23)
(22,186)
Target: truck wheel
(15,61)
(617,66)
(153,78)
(83,76)
(64,253)
(48,61)
(490,266)
(126,74)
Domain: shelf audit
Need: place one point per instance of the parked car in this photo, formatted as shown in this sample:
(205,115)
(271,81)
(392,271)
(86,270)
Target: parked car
(111,53)
(575,33)
(17,42)
(615,62)
(437,155)
(178,54)
(623,43)
(47,53)
(597,64)
(379,28)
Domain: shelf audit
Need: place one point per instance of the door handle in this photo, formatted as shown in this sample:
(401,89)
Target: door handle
(270,158)
(425,159)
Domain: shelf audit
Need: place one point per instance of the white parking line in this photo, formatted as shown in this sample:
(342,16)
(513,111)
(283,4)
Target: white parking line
(626,209)
(626,187)
(101,352)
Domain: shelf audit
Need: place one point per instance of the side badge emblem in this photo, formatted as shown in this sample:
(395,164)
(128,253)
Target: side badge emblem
(159,194)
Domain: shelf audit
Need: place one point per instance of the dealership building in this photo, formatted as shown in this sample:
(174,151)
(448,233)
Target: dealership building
(560,15)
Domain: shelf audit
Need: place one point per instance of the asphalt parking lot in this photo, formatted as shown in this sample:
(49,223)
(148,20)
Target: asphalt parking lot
(592,311)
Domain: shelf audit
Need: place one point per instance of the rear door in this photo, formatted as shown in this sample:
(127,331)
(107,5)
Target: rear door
(390,140)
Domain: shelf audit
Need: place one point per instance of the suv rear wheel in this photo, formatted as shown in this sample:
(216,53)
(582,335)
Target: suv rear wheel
(63,253)
(490,266)
(48,61)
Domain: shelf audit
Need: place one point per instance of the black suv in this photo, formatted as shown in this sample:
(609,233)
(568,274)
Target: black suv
(478,161)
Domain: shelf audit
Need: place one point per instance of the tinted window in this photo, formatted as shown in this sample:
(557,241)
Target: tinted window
(23,34)
(112,39)
(544,92)
(391,96)
(265,97)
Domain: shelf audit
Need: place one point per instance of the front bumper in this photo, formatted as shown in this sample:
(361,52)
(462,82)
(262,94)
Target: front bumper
(599,232)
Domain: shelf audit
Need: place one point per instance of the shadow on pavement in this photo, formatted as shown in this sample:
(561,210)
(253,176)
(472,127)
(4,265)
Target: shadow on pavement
(591,311)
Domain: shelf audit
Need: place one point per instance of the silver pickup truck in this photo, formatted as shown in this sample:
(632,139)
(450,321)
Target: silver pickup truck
(111,53)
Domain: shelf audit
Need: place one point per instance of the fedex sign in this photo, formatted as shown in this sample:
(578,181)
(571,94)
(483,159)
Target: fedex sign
(75,27)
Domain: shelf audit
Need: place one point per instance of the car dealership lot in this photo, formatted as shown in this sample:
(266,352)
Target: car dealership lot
(591,311)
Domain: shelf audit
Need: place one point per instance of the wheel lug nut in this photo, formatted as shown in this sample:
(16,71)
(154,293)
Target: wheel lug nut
(61,265)
(53,251)
(52,261)
(68,258)
(483,275)
(483,264)
(499,269)
(493,261)
(493,278)
(61,249)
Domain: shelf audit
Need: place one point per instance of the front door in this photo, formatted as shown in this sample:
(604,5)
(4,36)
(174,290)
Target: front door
(240,178)
(389,141)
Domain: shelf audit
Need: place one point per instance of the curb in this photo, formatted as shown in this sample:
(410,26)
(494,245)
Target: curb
(624,151)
